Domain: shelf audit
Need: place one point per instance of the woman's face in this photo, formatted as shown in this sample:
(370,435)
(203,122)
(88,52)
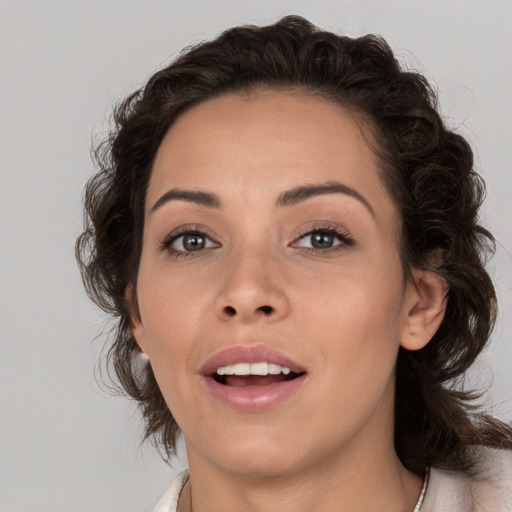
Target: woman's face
(270,243)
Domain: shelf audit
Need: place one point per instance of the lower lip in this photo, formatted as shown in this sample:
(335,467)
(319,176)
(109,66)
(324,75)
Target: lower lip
(253,399)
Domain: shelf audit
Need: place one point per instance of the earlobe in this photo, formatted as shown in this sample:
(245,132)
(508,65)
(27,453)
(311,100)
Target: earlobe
(426,300)
(136,324)
(139,334)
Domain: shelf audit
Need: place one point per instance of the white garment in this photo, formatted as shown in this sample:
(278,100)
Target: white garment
(169,501)
(489,490)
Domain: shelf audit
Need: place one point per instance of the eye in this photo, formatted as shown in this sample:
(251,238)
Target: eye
(324,239)
(188,241)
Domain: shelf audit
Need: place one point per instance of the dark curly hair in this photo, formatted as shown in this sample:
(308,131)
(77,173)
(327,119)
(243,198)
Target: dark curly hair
(428,171)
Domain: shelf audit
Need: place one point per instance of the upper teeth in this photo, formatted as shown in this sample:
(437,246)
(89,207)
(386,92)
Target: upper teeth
(252,369)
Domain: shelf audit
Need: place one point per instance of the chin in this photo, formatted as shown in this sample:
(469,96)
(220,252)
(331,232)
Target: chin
(260,464)
(247,452)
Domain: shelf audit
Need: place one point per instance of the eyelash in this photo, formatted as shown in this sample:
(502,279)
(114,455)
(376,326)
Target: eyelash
(344,239)
(167,243)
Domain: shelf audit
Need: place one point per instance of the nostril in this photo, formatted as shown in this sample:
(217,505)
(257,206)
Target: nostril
(266,309)
(230,311)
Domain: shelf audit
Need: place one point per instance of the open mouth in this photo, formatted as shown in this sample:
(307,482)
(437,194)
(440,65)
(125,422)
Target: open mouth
(252,379)
(246,375)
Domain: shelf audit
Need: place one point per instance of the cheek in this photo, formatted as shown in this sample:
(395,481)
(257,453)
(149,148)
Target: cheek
(169,302)
(356,317)
(166,316)
(168,325)
(176,311)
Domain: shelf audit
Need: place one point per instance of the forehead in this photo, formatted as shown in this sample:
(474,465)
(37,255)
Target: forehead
(265,142)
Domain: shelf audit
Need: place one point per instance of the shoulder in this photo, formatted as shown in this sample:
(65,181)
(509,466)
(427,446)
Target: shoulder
(489,489)
(169,501)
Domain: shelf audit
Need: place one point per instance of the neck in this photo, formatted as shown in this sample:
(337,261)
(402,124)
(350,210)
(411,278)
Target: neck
(371,483)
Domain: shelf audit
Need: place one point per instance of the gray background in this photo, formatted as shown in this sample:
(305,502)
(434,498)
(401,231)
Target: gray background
(65,443)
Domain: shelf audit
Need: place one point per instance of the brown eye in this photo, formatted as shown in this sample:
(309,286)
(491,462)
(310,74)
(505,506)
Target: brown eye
(193,242)
(322,240)
(190,242)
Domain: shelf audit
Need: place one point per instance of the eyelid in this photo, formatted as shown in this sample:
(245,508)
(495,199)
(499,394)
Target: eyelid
(343,236)
(191,229)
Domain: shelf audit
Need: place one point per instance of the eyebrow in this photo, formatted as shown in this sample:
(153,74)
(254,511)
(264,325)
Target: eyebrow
(191,196)
(302,193)
(288,198)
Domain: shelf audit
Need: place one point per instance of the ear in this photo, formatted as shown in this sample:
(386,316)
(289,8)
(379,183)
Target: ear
(426,298)
(137,326)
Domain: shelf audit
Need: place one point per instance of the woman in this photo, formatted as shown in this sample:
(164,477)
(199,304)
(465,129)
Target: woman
(288,235)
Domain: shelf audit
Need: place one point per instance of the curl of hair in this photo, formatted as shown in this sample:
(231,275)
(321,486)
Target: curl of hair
(428,171)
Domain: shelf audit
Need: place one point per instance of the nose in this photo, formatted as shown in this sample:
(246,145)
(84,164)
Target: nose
(252,290)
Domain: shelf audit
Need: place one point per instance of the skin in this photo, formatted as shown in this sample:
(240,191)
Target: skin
(341,313)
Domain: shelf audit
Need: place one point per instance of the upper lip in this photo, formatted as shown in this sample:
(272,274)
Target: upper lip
(249,354)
